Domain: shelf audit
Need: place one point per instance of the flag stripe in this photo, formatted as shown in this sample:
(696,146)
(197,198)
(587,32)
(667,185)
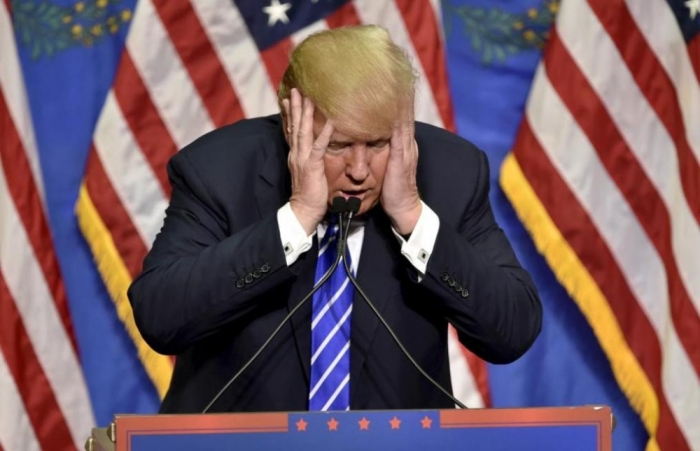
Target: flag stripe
(125,236)
(388,15)
(16,430)
(656,86)
(464,383)
(132,178)
(34,301)
(694,55)
(597,259)
(635,121)
(658,24)
(29,207)
(12,86)
(200,60)
(420,19)
(477,368)
(344,16)
(276,59)
(610,212)
(624,168)
(308,31)
(239,55)
(606,181)
(144,120)
(34,389)
(171,88)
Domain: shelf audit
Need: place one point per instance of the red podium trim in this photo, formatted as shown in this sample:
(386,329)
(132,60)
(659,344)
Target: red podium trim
(554,416)
(129,425)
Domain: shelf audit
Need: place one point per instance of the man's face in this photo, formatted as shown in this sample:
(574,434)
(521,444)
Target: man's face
(354,167)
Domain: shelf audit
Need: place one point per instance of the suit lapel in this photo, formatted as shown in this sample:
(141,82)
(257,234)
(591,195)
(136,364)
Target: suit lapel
(377,276)
(301,321)
(272,190)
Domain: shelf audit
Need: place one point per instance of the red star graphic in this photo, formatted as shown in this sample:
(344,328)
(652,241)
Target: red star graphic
(332,425)
(364,424)
(301,425)
(426,422)
(395,423)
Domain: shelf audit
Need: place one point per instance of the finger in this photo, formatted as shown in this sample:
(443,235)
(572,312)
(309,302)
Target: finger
(295,117)
(287,118)
(397,142)
(407,119)
(306,129)
(321,143)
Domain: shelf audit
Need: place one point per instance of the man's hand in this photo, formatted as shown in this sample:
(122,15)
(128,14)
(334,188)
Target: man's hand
(400,198)
(309,199)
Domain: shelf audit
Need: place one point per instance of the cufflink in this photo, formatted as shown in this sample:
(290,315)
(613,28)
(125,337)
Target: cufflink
(423,256)
(288,249)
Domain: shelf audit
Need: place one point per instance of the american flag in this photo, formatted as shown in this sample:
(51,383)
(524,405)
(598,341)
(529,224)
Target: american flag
(187,67)
(44,403)
(605,175)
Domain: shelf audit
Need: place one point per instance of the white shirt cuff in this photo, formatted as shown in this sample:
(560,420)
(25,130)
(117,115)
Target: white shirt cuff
(295,241)
(420,244)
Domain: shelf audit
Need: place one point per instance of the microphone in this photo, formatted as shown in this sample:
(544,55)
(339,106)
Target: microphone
(340,207)
(353,208)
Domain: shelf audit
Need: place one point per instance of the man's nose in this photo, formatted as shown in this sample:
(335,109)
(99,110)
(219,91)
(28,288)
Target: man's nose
(357,163)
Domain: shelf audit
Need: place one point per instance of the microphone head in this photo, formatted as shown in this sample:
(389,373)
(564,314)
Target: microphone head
(339,205)
(354,204)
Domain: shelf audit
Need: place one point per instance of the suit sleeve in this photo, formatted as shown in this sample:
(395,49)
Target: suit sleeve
(199,277)
(474,276)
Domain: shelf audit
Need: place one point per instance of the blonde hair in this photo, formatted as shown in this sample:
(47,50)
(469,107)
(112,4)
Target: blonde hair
(356,76)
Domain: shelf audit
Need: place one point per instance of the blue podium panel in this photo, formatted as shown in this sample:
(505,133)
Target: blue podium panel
(577,429)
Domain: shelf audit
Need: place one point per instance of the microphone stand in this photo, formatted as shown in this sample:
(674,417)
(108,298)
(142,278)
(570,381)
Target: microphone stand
(339,206)
(354,206)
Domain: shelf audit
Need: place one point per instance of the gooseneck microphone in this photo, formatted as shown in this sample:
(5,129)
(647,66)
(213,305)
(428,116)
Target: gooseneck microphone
(346,211)
(353,208)
(340,207)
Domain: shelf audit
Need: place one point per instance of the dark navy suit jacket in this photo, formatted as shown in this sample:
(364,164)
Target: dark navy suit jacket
(216,283)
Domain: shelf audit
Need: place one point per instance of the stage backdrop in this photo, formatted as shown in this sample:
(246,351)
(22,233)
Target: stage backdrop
(588,111)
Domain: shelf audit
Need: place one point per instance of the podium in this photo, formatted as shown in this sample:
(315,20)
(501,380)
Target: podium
(585,428)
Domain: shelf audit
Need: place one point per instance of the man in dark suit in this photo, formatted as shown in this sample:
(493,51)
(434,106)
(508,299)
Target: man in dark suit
(240,247)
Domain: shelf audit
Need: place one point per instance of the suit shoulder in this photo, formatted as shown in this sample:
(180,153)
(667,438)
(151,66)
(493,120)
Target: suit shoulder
(432,137)
(238,141)
(432,134)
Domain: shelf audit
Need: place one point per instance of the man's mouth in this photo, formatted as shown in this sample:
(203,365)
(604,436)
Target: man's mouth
(354,193)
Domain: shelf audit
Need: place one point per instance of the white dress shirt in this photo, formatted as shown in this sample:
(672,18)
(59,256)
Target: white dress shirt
(417,249)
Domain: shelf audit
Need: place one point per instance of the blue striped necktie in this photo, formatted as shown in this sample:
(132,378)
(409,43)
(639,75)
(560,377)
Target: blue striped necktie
(330,331)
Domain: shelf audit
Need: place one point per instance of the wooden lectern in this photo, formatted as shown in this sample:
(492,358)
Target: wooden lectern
(554,428)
